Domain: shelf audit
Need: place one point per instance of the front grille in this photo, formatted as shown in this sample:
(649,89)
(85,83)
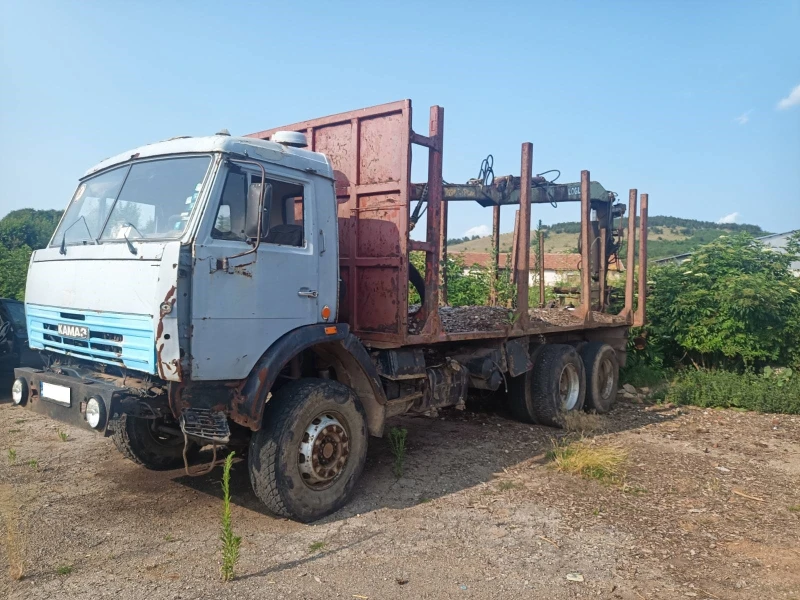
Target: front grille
(119,339)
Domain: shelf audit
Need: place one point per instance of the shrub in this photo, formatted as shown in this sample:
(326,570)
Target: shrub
(733,305)
(774,391)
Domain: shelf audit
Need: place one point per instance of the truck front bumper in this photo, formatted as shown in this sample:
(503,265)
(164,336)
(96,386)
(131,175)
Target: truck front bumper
(65,397)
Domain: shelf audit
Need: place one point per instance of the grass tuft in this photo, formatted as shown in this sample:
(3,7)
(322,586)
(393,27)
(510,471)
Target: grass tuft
(604,463)
(33,464)
(64,570)
(230,542)
(506,486)
(63,435)
(583,423)
(397,444)
(795,508)
(12,456)
(316,547)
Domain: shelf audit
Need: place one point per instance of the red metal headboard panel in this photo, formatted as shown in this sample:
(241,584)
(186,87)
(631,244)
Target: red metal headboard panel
(370,151)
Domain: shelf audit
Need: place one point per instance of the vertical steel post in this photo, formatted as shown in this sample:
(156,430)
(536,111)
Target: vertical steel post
(524,237)
(514,248)
(541,269)
(585,309)
(434,220)
(639,318)
(495,255)
(443,251)
(630,262)
(603,267)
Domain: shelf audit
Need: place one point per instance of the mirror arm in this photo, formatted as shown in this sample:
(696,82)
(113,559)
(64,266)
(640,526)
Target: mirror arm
(224,261)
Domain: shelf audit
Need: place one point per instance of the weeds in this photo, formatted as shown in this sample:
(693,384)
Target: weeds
(168,538)
(642,375)
(425,500)
(63,435)
(12,456)
(794,508)
(14,547)
(397,443)
(33,464)
(506,486)
(64,570)
(603,463)
(775,391)
(316,547)
(230,542)
(583,423)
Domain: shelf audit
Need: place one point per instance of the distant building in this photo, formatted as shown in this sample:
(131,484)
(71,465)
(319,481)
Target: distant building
(776,240)
(558,268)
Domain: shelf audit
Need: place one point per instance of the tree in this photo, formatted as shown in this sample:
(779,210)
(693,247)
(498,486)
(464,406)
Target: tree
(21,231)
(734,304)
(28,227)
(13,271)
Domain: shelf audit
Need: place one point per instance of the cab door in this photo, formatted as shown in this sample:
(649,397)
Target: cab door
(239,312)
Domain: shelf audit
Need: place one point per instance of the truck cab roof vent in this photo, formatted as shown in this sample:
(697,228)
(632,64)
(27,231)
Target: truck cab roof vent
(290,138)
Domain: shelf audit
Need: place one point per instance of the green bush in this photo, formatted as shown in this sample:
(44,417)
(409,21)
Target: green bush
(734,305)
(774,391)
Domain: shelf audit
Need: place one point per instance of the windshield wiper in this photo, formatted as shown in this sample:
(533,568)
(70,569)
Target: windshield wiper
(63,249)
(131,247)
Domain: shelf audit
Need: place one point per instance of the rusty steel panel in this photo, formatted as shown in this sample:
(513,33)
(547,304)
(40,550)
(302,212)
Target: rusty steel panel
(370,150)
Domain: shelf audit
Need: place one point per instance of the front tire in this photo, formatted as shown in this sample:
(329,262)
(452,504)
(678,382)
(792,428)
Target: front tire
(305,460)
(137,440)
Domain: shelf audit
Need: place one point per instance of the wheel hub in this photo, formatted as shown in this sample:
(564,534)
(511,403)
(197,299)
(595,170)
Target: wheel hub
(569,387)
(606,378)
(324,450)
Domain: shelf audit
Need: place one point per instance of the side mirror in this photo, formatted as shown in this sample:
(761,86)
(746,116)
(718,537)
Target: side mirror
(259,199)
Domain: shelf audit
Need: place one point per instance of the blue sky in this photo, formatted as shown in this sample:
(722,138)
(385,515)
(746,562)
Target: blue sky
(680,99)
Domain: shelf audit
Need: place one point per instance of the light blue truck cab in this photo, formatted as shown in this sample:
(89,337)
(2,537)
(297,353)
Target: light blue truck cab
(176,289)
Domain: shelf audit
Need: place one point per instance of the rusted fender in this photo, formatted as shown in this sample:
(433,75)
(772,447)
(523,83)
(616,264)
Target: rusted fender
(248,401)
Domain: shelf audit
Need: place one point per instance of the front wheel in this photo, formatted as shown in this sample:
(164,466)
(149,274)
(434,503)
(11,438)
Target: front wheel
(305,460)
(141,441)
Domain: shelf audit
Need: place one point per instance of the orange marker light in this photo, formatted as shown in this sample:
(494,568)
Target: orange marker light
(326,312)
(330,330)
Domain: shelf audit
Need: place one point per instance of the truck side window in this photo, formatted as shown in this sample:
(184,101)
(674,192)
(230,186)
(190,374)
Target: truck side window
(230,218)
(286,217)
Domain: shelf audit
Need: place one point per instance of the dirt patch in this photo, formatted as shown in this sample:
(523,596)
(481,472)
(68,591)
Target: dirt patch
(478,513)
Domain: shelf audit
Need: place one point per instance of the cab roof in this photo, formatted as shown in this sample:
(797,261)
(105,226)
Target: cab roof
(294,158)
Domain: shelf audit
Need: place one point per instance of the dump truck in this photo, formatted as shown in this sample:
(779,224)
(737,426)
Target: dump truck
(252,293)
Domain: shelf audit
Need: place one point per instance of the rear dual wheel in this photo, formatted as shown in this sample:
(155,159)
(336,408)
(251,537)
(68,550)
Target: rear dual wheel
(555,386)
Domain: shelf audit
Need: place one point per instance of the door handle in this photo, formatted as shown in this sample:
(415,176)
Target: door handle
(307,293)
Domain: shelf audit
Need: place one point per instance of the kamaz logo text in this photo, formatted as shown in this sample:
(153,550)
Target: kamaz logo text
(73,331)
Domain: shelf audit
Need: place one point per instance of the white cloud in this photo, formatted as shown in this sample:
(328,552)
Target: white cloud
(481,230)
(731,218)
(793,99)
(743,118)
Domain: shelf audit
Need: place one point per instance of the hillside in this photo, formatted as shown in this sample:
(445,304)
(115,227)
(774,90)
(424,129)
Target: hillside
(667,236)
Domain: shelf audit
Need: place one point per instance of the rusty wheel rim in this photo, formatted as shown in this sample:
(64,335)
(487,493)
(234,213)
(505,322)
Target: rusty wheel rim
(569,386)
(324,451)
(606,373)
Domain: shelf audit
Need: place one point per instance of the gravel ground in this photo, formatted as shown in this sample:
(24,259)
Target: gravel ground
(704,512)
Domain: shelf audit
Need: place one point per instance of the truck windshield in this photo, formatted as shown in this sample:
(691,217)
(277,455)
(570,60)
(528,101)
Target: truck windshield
(151,199)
